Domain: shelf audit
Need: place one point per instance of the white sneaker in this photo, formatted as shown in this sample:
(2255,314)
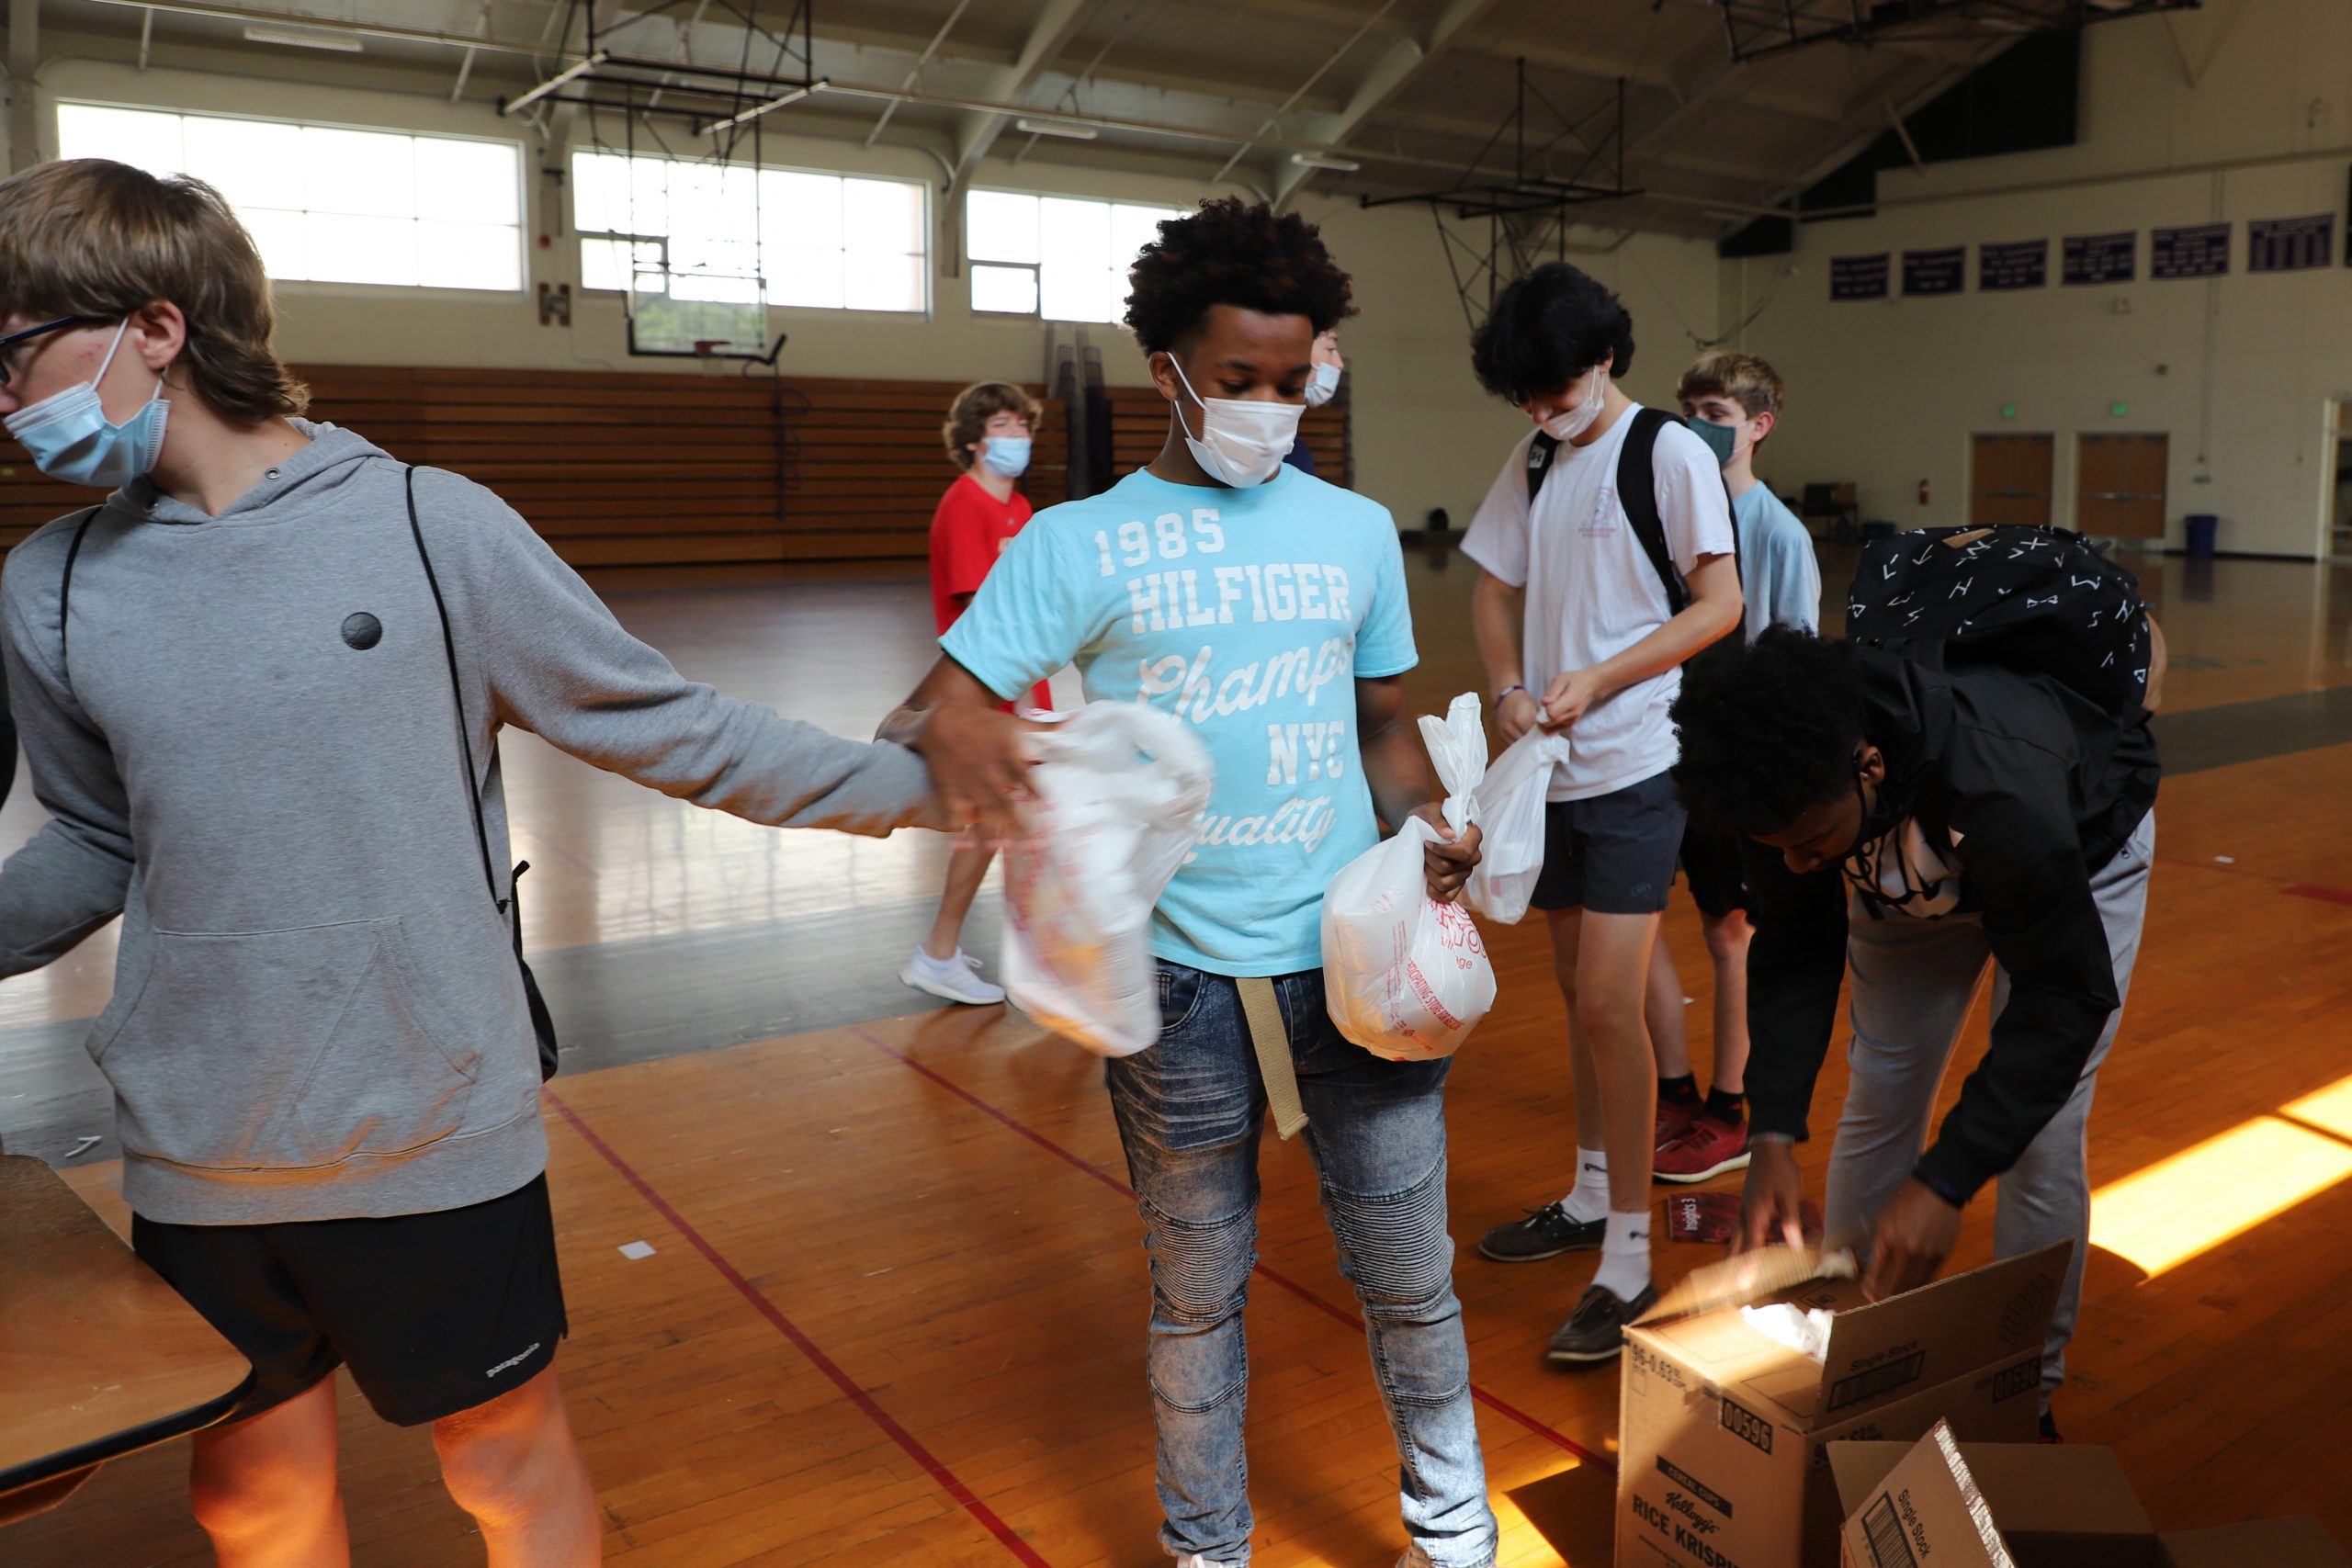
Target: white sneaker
(1195,1560)
(955,979)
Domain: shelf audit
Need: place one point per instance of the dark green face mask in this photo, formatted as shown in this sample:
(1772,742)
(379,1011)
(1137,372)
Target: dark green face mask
(1721,439)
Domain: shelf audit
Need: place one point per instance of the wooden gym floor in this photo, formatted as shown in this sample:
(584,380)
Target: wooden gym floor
(894,1311)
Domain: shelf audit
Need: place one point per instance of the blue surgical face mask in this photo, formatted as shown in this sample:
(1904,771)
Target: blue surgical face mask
(69,437)
(1722,440)
(1006,455)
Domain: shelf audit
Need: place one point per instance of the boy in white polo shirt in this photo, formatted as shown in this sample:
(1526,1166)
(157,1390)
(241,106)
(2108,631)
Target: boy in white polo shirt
(1608,556)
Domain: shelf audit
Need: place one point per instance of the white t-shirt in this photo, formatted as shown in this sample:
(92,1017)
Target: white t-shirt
(1591,591)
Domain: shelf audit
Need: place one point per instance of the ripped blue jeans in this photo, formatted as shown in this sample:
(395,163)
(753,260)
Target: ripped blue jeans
(1189,1110)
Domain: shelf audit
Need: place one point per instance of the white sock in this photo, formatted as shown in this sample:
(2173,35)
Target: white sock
(1589,1200)
(1626,1254)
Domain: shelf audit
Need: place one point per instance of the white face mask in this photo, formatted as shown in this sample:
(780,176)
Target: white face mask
(1576,421)
(1242,440)
(1324,388)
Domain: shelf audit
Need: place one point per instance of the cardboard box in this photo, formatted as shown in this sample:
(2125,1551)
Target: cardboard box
(1723,1459)
(1960,1504)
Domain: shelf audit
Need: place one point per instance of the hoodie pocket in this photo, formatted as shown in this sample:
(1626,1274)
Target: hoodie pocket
(281,1050)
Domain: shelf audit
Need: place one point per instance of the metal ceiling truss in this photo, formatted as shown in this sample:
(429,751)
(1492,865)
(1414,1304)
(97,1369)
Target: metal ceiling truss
(777,68)
(1757,30)
(1503,226)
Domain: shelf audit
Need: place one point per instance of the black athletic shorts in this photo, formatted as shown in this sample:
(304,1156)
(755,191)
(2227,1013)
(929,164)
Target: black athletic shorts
(433,1314)
(1710,864)
(1612,854)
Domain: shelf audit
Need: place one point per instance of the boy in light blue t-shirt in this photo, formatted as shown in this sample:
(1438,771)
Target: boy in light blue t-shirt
(1739,397)
(1267,609)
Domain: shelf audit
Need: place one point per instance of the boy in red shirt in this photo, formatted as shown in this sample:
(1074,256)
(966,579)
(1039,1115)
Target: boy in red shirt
(987,434)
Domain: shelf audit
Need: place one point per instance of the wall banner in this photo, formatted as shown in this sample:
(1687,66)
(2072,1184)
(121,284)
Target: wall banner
(2201,250)
(2019,264)
(1857,277)
(1943,271)
(2290,244)
(2102,258)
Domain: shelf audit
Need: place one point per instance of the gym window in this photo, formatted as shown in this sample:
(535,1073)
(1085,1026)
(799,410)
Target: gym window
(327,204)
(1053,257)
(701,229)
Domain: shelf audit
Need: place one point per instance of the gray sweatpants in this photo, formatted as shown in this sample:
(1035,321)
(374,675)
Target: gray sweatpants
(1912,982)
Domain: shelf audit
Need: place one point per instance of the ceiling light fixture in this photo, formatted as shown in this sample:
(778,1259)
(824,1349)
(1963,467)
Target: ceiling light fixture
(1056,128)
(555,82)
(1321,161)
(793,97)
(339,45)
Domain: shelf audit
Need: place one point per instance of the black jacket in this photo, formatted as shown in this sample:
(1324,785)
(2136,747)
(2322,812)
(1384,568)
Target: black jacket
(2043,789)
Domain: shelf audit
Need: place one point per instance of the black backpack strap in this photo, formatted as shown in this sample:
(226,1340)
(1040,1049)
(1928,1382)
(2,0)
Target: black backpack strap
(457,693)
(1637,493)
(542,1021)
(1539,462)
(66,584)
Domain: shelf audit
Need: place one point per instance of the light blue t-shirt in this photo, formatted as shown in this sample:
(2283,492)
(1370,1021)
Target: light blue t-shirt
(1251,613)
(1778,573)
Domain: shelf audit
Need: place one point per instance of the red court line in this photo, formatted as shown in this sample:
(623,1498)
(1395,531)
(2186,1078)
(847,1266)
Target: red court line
(1501,1407)
(2325,895)
(964,1496)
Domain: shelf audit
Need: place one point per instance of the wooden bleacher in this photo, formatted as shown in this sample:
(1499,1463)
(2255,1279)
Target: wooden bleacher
(620,468)
(1139,426)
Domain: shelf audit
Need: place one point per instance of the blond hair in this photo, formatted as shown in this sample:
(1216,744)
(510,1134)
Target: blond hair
(1748,380)
(99,241)
(969,415)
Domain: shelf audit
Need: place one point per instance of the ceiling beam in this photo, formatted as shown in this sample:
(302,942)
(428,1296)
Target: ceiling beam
(1642,73)
(915,76)
(1692,89)
(601,17)
(1056,24)
(1400,64)
(1718,168)
(1903,107)
(24,104)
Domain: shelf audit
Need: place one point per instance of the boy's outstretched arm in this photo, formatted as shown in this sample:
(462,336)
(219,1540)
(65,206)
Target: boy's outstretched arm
(977,765)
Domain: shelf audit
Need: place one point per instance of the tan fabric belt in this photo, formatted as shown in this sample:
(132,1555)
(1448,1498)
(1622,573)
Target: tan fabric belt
(1272,1043)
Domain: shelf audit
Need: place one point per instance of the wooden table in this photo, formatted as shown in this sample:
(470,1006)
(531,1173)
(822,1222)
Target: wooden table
(98,1357)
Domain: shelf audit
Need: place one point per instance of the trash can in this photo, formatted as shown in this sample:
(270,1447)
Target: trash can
(2201,526)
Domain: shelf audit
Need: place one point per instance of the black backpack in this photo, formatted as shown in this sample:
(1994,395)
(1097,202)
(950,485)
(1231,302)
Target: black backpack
(1637,493)
(2037,599)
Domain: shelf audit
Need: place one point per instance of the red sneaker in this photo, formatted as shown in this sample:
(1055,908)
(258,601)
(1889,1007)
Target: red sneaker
(1673,1117)
(1706,1148)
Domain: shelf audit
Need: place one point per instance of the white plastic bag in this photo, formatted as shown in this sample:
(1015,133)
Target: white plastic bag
(1510,820)
(1120,792)
(1404,975)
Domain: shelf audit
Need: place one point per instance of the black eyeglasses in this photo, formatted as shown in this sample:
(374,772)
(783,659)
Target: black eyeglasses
(8,344)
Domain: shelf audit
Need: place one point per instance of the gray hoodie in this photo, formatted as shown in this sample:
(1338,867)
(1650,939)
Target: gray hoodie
(317,1012)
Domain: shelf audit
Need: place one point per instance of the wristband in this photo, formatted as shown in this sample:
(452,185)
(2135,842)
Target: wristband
(1504,695)
(1937,1185)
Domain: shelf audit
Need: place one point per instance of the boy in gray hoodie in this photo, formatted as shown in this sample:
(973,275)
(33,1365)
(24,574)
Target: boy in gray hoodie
(259,688)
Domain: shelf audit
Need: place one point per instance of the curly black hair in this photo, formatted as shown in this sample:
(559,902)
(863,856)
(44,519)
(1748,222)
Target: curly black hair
(1768,731)
(1233,252)
(1548,327)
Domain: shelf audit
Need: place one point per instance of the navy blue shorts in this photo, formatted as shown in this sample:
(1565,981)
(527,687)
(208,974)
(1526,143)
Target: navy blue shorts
(1612,854)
